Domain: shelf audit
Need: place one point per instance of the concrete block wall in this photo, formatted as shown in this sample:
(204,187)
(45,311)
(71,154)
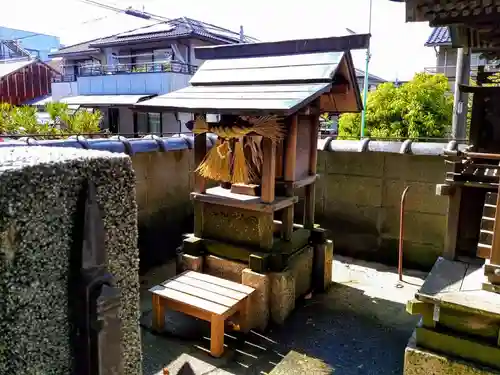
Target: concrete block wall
(357,198)
(164,208)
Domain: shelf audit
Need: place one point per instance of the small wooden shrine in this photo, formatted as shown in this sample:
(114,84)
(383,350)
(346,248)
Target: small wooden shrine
(263,102)
(460,302)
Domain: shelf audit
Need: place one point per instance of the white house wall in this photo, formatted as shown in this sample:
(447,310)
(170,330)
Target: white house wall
(171,125)
(63,89)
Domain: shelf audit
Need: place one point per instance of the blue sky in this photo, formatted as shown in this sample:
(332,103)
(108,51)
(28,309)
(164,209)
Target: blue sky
(397,47)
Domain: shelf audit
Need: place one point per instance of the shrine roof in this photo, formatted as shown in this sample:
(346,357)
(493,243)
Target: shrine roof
(273,77)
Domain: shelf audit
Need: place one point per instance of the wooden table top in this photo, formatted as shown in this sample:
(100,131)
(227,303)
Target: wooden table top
(205,292)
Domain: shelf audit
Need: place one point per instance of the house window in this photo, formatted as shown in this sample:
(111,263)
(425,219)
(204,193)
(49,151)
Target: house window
(148,123)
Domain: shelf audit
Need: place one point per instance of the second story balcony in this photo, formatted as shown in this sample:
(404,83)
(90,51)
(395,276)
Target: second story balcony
(122,79)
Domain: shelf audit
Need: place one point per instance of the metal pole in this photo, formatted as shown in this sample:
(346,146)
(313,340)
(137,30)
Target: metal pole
(365,84)
(460,103)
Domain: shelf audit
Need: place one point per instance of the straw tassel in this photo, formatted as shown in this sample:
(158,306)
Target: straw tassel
(217,163)
(241,168)
(200,125)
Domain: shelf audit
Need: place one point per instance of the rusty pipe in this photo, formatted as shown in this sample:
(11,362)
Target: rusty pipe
(401,232)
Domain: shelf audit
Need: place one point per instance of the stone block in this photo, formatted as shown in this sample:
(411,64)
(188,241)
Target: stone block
(282,298)
(224,268)
(418,361)
(243,227)
(422,168)
(356,190)
(369,164)
(259,305)
(189,262)
(301,267)
(421,196)
(419,227)
(322,265)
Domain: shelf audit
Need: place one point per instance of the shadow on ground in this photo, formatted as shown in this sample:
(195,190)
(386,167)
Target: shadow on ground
(346,328)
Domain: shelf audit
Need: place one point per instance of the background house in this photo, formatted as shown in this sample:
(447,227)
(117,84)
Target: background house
(446,55)
(15,43)
(373,80)
(115,72)
(24,80)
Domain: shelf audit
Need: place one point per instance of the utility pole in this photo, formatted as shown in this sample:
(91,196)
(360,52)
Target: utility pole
(365,84)
(461,99)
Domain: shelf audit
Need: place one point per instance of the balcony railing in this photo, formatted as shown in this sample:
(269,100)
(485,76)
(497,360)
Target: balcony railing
(149,67)
(450,70)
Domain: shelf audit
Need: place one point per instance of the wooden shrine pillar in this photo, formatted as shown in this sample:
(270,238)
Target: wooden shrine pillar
(313,161)
(268,170)
(200,150)
(289,177)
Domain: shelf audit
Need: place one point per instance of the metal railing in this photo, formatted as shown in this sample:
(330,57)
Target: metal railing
(450,70)
(119,68)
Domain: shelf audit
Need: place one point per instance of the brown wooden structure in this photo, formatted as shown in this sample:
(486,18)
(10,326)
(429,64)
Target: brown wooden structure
(254,226)
(295,80)
(459,301)
(205,297)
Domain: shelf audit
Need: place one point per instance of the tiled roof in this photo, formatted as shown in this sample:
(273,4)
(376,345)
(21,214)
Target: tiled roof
(440,36)
(176,28)
(360,74)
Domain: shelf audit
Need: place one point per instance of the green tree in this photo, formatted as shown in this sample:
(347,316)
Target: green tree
(420,108)
(63,121)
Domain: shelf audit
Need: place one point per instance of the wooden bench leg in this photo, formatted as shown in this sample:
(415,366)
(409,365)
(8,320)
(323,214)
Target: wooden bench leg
(245,315)
(217,335)
(158,313)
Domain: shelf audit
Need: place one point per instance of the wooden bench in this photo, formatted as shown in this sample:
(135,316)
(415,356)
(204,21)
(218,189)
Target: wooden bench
(205,297)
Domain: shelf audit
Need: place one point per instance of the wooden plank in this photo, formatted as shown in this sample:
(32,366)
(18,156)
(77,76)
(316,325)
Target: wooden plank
(231,293)
(224,197)
(200,293)
(483,251)
(187,309)
(268,179)
(199,303)
(220,282)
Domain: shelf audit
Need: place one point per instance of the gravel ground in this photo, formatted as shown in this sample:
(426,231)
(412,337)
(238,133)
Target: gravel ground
(359,327)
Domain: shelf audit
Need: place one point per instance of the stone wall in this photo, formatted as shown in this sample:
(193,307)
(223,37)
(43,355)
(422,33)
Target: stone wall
(165,211)
(358,199)
(358,196)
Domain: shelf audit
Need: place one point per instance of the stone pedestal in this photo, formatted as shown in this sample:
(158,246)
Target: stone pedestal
(259,304)
(420,361)
(187,262)
(279,278)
